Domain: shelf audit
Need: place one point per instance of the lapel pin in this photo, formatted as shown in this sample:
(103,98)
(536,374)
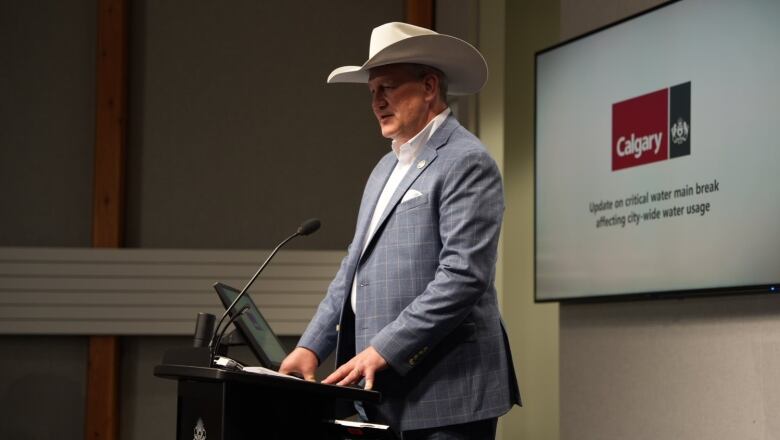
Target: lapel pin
(420,164)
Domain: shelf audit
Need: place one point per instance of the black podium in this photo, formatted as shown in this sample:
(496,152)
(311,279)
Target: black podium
(216,404)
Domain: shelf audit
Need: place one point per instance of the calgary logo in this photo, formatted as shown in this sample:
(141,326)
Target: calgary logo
(643,126)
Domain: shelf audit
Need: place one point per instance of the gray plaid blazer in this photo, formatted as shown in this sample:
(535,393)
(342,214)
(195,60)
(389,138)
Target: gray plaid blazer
(426,299)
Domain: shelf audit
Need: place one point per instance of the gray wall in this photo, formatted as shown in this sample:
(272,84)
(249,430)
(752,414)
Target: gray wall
(42,387)
(460,18)
(579,17)
(47,107)
(677,369)
(47,76)
(234,136)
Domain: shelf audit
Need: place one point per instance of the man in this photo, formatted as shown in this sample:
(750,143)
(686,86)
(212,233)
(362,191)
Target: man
(412,310)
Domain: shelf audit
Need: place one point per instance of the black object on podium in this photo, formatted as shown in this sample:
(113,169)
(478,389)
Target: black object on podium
(218,404)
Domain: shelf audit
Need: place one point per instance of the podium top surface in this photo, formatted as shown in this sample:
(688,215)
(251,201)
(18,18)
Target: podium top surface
(206,374)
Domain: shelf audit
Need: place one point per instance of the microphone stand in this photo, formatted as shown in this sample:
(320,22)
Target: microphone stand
(306,228)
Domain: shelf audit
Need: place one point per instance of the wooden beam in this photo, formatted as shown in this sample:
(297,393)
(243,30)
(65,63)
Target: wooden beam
(108,208)
(420,13)
(110,119)
(102,411)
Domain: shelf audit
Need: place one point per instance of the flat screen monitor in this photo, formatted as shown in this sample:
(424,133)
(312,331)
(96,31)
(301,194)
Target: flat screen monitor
(657,148)
(258,335)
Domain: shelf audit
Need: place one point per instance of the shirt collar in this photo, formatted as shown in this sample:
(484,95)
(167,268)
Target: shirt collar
(408,151)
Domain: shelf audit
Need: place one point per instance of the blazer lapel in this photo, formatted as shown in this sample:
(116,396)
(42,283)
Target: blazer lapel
(420,164)
(374,189)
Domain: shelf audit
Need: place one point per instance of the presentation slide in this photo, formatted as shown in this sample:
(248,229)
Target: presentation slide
(657,154)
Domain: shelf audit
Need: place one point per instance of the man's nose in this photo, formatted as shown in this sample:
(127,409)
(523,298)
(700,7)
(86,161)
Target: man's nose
(378,101)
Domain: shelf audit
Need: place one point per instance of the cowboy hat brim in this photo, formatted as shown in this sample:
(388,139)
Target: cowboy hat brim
(464,66)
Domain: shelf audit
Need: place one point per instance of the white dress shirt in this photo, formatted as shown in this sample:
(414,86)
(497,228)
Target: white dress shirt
(406,153)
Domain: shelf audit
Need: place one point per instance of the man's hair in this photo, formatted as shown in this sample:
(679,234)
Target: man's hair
(420,71)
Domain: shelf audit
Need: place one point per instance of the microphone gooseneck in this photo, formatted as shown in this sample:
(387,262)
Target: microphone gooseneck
(230,321)
(307,227)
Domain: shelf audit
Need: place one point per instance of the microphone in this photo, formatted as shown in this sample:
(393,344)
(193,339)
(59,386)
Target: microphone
(307,227)
(310,226)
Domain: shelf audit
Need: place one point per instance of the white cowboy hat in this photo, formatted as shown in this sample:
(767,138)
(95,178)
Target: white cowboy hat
(394,43)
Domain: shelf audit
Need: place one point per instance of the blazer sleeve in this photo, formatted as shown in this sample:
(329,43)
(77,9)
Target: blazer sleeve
(320,335)
(470,210)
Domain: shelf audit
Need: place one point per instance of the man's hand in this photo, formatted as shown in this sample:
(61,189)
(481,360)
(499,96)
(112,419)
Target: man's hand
(365,364)
(302,361)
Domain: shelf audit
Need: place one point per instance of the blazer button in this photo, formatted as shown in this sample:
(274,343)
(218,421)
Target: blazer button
(338,328)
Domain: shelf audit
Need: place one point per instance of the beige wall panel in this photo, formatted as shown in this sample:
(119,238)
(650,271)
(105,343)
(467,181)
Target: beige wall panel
(533,328)
(151,291)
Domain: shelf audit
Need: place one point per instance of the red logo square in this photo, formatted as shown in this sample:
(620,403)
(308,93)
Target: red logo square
(639,130)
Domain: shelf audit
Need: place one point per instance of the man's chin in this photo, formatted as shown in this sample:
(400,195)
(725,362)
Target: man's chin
(389,134)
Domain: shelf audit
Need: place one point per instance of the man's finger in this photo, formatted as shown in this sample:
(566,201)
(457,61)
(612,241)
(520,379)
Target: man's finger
(285,368)
(351,378)
(338,374)
(369,379)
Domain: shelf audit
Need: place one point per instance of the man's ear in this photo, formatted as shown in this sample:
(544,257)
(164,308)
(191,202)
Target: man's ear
(431,84)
